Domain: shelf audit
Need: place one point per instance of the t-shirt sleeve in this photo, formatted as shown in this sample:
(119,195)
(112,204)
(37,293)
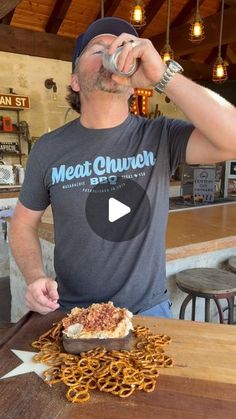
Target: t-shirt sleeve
(178,135)
(34,194)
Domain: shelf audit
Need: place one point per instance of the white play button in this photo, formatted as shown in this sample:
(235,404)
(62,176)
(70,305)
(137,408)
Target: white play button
(120,213)
(116,210)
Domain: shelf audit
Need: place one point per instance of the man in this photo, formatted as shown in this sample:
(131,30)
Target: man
(104,153)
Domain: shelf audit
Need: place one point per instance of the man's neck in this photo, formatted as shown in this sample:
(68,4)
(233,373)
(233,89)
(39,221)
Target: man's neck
(104,112)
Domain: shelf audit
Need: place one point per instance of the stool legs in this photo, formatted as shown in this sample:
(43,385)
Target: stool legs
(184,305)
(207,309)
(220,311)
(231,310)
(193,308)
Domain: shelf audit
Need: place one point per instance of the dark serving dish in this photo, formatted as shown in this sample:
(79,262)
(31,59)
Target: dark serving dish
(75,346)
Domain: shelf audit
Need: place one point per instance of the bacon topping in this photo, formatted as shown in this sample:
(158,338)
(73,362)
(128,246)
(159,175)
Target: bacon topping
(96,318)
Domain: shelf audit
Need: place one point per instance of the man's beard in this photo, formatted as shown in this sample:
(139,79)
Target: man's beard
(101,81)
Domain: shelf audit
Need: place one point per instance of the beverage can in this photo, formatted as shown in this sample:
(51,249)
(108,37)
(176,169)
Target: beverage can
(110,63)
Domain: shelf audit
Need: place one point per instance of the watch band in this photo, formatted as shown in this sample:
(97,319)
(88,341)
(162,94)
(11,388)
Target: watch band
(172,67)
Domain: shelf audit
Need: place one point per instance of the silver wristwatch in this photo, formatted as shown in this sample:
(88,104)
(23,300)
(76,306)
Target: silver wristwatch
(172,67)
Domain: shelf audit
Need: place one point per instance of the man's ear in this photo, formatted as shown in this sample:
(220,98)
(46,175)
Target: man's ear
(74,83)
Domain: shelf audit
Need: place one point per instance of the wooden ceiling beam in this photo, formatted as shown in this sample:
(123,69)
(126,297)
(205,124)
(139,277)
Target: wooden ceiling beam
(179,35)
(57,16)
(7,6)
(231,2)
(110,7)
(186,13)
(8,18)
(214,53)
(151,11)
(38,44)
(41,44)
(196,71)
(201,71)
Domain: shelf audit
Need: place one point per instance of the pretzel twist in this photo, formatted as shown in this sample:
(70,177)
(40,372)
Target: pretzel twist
(117,372)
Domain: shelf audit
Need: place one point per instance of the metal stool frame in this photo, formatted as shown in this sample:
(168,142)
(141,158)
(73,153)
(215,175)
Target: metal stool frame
(216,297)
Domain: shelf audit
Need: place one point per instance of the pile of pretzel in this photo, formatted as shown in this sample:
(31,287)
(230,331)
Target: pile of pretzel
(116,372)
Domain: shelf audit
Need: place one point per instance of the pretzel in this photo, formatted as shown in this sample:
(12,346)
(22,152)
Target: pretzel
(94,353)
(116,368)
(103,370)
(39,343)
(52,375)
(168,362)
(142,331)
(120,373)
(92,383)
(132,376)
(69,376)
(126,390)
(148,384)
(78,394)
(107,384)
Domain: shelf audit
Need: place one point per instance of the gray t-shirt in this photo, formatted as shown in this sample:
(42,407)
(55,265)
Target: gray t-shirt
(63,168)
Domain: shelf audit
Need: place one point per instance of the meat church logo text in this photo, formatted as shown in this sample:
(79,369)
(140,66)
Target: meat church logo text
(102,166)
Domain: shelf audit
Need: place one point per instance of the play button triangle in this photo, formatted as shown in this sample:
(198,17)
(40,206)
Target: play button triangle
(116,210)
(120,212)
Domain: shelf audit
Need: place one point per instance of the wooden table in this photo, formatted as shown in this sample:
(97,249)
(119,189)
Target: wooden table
(202,384)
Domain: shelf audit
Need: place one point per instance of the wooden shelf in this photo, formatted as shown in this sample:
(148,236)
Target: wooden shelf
(15,133)
(9,132)
(11,153)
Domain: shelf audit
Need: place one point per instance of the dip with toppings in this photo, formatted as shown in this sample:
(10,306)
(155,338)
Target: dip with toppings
(99,321)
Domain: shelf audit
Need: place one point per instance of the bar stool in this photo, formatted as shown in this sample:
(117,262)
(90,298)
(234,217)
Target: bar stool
(207,283)
(232,264)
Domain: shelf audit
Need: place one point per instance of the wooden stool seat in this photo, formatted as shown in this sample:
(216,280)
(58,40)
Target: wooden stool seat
(232,264)
(208,283)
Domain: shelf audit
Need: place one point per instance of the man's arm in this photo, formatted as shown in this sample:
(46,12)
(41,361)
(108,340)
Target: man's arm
(41,295)
(214,138)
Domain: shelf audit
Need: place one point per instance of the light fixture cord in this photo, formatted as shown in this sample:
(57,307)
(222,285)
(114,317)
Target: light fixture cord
(221,27)
(168,23)
(197,10)
(102,8)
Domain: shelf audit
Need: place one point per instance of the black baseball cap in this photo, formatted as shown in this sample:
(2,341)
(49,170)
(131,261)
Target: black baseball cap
(105,25)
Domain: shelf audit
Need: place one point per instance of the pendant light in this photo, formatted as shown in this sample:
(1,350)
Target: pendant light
(137,14)
(167,52)
(219,69)
(196,31)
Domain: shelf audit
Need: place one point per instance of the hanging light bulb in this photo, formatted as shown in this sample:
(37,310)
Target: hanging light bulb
(167,52)
(219,68)
(196,31)
(137,14)
(219,71)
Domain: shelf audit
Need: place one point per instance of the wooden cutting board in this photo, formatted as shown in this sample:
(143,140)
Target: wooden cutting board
(202,384)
